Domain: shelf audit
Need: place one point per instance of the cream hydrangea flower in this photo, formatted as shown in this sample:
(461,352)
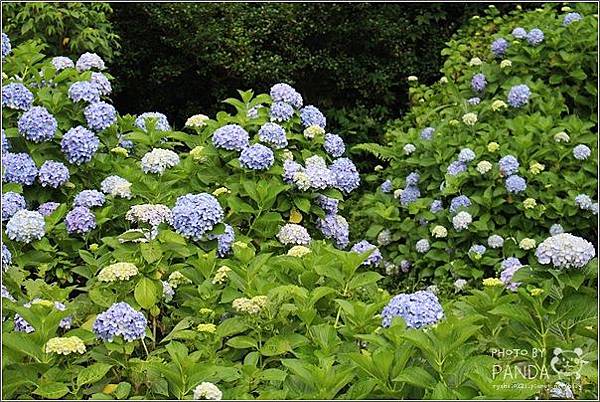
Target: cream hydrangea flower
(208,391)
(527,244)
(298,251)
(221,275)
(498,104)
(562,137)
(529,203)
(221,190)
(443,80)
(439,231)
(505,64)
(469,119)
(197,120)
(177,278)
(197,153)
(210,328)
(536,168)
(483,167)
(120,271)
(412,78)
(120,151)
(475,61)
(250,306)
(65,345)
(493,146)
(490,282)
(313,131)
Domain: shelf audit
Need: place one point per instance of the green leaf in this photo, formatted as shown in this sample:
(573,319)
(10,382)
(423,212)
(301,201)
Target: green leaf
(123,390)
(151,252)
(243,342)
(53,390)
(92,374)
(416,376)
(145,293)
(363,279)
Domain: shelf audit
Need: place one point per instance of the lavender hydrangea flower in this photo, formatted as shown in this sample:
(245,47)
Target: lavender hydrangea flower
(100,115)
(89,199)
(583,201)
(474,101)
(499,47)
(6,47)
(327,204)
(581,152)
(436,206)
(335,227)
(518,96)
(311,116)
(565,251)
(362,247)
(161,123)
(281,111)
(273,134)
(422,246)
(5,143)
(290,168)
(6,257)
(87,61)
(515,184)
(386,186)
(466,155)
(18,168)
(37,124)
(508,165)
(61,63)
(16,96)
(285,93)
(84,91)
(509,267)
(316,175)
(456,168)
(458,203)
(100,81)
(519,33)
(495,241)
(292,233)
(346,175)
(427,133)
(11,203)
(478,82)
(5,293)
(53,174)
(535,37)
(409,195)
(571,18)
(225,241)
(405,266)
(418,309)
(196,214)
(556,229)
(48,208)
(79,145)
(257,157)
(334,145)
(120,320)
(80,220)
(231,137)
(413,179)
(26,226)
(477,250)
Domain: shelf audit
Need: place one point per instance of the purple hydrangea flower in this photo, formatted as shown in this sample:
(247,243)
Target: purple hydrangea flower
(79,145)
(16,96)
(26,226)
(499,47)
(273,134)
(478,82)
(102,83)
(581,152)
(571,17)
(409,195)
(225,241)
(285,93)
(53,174)
(100,115)
(5,143)
(459,203)
(413,179)
(61,63)
(515,184)
(334,145)
(292,233)
(231,137)
(281,111)
(456,168)
(317,174)
(509,267)
(257,157)
(18,168)
(386,186)
(80,220)
(518,96)
(37,124)
(405,266)
(311,116)
(6,257)
(336,228)
(362,247)
(535,37)
(519,33)
(436,206)
(327,204)
(6,47)
(48,208)
(89,199)
(161,123)
(418,309)
(508,165)
(196,214)
(427,133)
(11,203)
(87,61)
(84,91)
(120,320)
(346,175)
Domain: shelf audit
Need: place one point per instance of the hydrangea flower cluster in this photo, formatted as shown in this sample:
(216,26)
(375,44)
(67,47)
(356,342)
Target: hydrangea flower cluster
(250,306)
(120,320)
(495,241)
(208,391)
(518,96)
(436,206)
(79,145)
(5,143)
(6,257)
(409,149)
(422,246)
(508,165)
(80,220)
(509,267)
(515,184)
(478,83)
(61,63)
(581,152)
(65,345)
(89,199)
(311,132)
(474,101)
(88,61)
(231,137)
(281,111)
(257,157)
(26,226)
(335,227)
(11,203)
(285,93)
(477,251)
(18,168)
(499,47)
(426,134)
(16,96)
(161,121)
(6,47)
(334,145)
(298,251)
(100,81)
(158,160)
(418,309)
(362,247)
(100,115)
(462,220)
(150,214)
(37,124)
(571,18)
(197,121)
(535,37)
(519,33)
(225,241)
(386,186)
(411,192)
(458,203)
(565,251)
(273,134)
(5,293)
(196,214)
(120,271)
(48,208)
(384,237)
(556,229)
(346,175)
(53,174)
(327,204)
(311,116)
(292,233)
(84,91)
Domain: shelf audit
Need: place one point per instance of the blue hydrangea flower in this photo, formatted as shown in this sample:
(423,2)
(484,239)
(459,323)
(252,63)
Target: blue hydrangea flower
(515,184)
(499,47)
(37,124)
(422,246)
(161,121)
(79,145)
(518,96)
(336,228)
(196,214)
(456,168)
(556,229)
(409,195)
(316,175)
(6,257)
(225,241)
(418,309)
(100,81)
(362,247)
(508,165)
(565,251)
(568,19)
(561,390)
(100,115)
(477,249)
(281,111)
(120,320)
(458,203)
(80,220)
(436,206)
(61,63)
(5,143)
(583,201)
(466,155)
(427,133)
(16,96)
(311,116)
(6,47)
(291,233)
(474,101)
(84,91)
(285,93)
(18,168)
(89,199)
(334,145)
(231,137)
(519,33)
(26,226)
(535,37)
(386,186)
(405,266)
(273,134)
(48,208)
(346,175)
(478,82)
(327,204)
(509,267)
(413,179)
(495,241)
(581,152)
(87,61)
(290,168)
(53,174)
(11,203)
(257,157)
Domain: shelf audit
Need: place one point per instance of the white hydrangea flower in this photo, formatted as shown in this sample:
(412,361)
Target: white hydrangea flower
(197,120)
(158,160)
(469,119)
(483,167)
(208,391)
